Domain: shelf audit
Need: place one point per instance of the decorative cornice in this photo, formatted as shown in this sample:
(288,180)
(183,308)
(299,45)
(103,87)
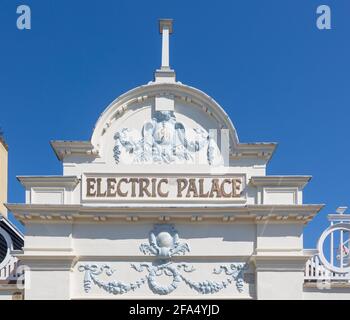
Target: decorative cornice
(51,258)
(338,217)
(279,181)
(277,258)
(48,181)
(225,213)
(10,285)
(63,149)
(262,150)
(279,262)
(42,262)
(334,285)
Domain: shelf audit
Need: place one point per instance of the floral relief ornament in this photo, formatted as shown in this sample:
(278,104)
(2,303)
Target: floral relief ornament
(164,243)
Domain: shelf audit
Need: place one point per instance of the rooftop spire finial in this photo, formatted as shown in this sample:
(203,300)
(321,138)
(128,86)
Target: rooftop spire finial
(165,74)
(165,29)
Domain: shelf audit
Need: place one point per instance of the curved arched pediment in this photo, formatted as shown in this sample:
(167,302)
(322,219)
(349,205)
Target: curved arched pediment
(153,122)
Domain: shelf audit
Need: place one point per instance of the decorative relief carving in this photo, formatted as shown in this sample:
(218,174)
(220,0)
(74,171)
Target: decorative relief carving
(164,244)
(236,271)
(164,140)
(91,271)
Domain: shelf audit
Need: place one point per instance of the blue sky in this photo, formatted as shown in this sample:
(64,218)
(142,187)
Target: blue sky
(278,77)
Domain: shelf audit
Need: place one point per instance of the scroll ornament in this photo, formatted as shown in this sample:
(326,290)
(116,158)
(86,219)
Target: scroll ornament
(164,243)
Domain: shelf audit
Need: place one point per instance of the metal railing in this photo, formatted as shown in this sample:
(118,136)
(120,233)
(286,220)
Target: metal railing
(10,272)
(315,270)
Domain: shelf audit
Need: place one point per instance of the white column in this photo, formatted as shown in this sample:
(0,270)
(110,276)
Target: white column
(165,74)
(165,48)
(166,29)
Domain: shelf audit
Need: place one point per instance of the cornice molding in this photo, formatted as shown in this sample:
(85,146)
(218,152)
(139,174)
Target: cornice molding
(279,262)
(63,149)
(334,285)
(225,214)
(279,181)
(50,258)
(263,150)
(48,181)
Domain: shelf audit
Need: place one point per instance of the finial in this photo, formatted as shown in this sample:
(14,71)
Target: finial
(341,210)
(165,74)
(168,23)
(165,29)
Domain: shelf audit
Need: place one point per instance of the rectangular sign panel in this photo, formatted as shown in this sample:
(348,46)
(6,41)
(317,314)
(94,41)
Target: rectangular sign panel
(109,187)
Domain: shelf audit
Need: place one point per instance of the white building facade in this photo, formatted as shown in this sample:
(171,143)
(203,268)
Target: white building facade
(164,202)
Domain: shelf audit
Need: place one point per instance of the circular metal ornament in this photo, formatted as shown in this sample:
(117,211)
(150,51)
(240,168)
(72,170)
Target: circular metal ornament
(324,235)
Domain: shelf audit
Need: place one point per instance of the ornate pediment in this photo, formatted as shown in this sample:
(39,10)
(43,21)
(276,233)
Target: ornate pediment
(164,140)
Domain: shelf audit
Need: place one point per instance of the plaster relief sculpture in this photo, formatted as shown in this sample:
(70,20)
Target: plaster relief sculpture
(91,273)
(164,242)
(163,140)
(163,245)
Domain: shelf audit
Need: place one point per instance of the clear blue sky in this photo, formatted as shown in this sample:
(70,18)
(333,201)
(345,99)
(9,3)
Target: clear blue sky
(277,76)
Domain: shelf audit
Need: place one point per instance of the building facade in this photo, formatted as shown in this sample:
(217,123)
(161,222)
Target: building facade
(165,202)
(11,239)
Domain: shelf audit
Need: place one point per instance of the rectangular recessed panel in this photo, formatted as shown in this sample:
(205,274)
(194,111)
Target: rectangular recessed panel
(280,196)
(47,196)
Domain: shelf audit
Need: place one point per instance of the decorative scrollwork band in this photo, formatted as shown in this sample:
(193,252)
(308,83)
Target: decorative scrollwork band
(163,243)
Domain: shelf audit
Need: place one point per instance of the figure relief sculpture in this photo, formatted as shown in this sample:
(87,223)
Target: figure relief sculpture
(165,140)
